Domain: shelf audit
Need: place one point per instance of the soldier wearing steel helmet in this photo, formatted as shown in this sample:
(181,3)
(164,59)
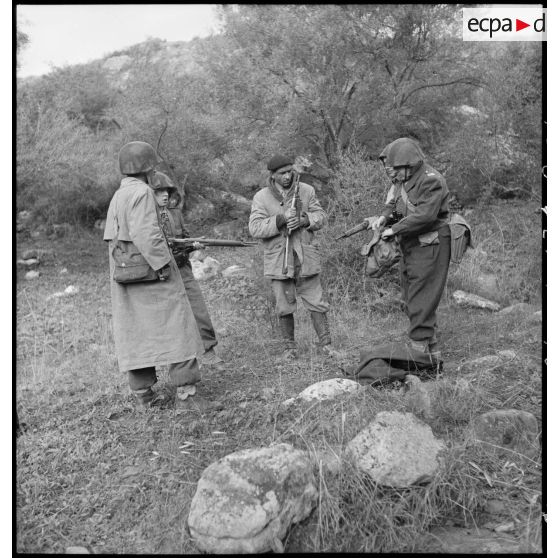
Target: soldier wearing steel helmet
(172,223)
(153,322)
(419,197)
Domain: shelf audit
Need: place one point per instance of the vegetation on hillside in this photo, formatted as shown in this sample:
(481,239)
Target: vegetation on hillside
(327,81)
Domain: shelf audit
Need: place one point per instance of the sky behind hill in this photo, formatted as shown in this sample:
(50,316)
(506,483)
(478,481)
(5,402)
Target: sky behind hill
(75,34)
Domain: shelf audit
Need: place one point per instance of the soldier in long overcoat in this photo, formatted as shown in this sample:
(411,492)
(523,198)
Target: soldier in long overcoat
(271,219)
(153,323)
(417,211)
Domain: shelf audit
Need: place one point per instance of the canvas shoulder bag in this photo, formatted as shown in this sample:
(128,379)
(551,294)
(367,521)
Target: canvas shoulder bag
(129,265)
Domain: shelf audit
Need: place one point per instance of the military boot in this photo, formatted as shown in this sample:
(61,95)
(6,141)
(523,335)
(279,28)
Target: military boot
(429,348)
(321,325)
(286,331)
(434,350)
(144,397)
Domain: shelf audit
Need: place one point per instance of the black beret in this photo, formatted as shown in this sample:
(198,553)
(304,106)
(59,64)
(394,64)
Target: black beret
(278,161)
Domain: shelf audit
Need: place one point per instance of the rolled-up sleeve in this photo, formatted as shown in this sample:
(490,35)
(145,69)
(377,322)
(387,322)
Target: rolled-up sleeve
(145,231)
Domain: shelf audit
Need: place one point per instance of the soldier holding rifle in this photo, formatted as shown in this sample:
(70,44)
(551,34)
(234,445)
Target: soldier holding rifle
(417,213)
(172,224)
(284,216)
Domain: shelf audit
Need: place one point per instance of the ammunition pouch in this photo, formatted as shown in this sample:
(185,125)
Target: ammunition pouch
(460,237)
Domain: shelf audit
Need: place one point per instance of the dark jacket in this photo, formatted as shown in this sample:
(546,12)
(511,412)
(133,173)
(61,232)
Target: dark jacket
(427,207)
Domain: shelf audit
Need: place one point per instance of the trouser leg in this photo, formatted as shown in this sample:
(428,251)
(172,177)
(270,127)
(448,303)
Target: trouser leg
(285,304)
(199,308)
(426,270)
(185,373)
(309,289)
(321,326)
(141,380)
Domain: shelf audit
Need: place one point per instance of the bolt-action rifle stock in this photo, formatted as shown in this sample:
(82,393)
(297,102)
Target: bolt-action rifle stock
(295,204)
(213,242)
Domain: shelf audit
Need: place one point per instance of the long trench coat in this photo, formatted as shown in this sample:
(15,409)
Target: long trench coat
(153,322)
(266,205)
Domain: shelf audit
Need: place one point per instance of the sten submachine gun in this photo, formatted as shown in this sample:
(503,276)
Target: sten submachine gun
(187,242)
(360,227)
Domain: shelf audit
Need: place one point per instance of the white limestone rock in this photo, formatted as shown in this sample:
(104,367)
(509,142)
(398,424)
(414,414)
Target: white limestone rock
(474,301)
(329,389)
(246,501)
(234,271)
(397,449)
(206,269)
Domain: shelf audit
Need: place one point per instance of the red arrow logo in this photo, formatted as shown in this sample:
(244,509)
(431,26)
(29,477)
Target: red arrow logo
(519,25)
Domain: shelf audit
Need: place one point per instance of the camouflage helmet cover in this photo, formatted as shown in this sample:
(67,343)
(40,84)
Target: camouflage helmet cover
(137,157)
(161,181)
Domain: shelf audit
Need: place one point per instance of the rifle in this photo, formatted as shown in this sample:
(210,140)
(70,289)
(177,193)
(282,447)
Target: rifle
(213,242)
(295,204)
(360,227)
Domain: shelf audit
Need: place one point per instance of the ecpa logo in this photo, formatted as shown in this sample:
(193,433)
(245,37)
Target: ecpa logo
(504,24)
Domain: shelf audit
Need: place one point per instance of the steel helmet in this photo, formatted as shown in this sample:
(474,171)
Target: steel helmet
(137,157)
(160,181)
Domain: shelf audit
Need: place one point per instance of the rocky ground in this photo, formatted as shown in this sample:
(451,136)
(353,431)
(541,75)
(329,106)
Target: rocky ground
(94,472)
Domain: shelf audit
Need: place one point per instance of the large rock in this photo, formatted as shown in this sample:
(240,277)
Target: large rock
(246,501)
(507,432)
(474,301)
(397,449)
(329,389)
(205,269)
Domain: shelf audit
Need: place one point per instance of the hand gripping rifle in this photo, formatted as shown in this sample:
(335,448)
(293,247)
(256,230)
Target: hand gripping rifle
(187,242)
(297,205)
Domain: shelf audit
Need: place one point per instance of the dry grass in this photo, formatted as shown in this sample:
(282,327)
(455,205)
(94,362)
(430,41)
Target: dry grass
(94,471)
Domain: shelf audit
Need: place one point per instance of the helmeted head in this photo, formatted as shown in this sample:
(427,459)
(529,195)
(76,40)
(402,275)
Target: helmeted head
(137,157)
(163,187)
(281,169)
(401,158)
(174,199)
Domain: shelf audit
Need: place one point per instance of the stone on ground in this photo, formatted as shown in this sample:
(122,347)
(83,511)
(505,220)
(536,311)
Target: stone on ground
(206,269)
(234,271)
(246,501)
(507,432)
(30,275)
(474,301)
(397,449)
(329,389)
(77,550)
